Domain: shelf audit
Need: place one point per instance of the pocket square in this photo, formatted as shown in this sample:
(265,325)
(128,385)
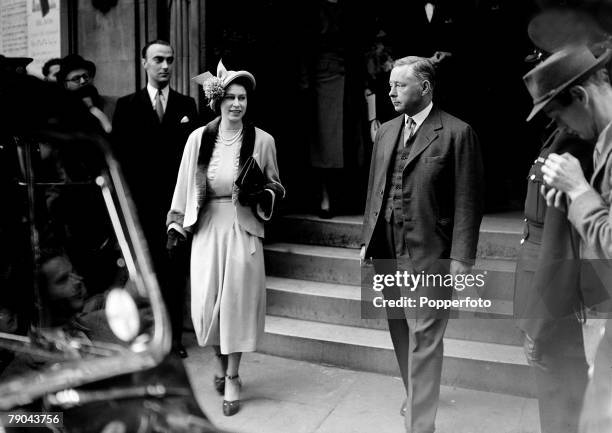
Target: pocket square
(185,119)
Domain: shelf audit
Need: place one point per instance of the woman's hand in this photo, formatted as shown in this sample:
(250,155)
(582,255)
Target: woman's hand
(250,198)
(175,243)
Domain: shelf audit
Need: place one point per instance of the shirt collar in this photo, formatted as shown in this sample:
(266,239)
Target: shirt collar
(420,117)
(602,142)
(153,92)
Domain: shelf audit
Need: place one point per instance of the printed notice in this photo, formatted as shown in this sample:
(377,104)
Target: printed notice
(44,36)
(14,28)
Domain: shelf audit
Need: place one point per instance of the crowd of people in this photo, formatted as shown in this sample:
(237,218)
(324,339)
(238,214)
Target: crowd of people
(204,229)
(196,221)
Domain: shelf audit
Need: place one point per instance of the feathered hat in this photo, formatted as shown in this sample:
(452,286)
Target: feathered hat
(214,86)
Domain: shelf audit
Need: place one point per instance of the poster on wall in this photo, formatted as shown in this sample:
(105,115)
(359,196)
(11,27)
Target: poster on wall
(14,28)
(44,38)
(30,28)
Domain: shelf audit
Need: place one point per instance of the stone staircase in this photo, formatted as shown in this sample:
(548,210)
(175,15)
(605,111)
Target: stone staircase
(314,309)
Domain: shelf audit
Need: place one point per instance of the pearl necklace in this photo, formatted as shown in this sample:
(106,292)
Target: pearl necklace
(232,139)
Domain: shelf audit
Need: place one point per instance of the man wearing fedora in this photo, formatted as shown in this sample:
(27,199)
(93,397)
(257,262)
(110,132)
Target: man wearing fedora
(150,128)
(573,88)
(76,75)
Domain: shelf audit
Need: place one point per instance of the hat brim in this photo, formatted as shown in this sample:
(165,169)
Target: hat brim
(86,64)
(89,66)
(231,76)
(15,61)
(234,75)
(541,104)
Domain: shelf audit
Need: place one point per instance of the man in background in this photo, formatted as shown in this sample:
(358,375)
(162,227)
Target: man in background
(150,128)
(50,69)
(77,75)
(573,88)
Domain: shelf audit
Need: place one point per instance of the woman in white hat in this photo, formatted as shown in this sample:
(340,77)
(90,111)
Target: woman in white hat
(226,225)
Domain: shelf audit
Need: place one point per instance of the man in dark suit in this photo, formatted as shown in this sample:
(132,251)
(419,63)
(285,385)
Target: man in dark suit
(150,128)
(424,205)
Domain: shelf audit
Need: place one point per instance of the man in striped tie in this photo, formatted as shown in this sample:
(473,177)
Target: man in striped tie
(150,128)
(422,214)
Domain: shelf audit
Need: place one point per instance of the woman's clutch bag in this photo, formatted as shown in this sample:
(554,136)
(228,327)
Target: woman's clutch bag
(250,178)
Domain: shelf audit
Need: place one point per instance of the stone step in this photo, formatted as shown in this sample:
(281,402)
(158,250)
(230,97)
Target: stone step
(341,305)
(311,262)
(500,234)
(342,266)
(340,231)
(467,364)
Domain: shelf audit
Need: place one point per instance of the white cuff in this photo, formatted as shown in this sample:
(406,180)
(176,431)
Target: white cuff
(262,213)
(178,228)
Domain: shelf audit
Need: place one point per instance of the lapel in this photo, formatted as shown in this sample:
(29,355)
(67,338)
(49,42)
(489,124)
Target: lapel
(394,134)
(425,135)
(552,137)
(605,153)
(147,108)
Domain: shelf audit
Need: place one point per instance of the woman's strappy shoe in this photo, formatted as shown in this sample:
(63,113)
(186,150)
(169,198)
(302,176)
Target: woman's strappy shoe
(232,407)
(219,382)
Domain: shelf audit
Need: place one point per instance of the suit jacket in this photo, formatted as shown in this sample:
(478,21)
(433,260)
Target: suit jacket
(149,152)
(190,191)
(590,214)
(442,185)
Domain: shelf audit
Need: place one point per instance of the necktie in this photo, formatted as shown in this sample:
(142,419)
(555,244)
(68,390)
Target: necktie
(596,156)
(159,107)
(429,11)
(408,130)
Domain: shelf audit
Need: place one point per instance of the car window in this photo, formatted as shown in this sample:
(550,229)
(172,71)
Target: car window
(76,286)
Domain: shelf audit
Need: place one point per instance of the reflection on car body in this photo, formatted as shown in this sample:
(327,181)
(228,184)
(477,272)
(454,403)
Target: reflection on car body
(83,329)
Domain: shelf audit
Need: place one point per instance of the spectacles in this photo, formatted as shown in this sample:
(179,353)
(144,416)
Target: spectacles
(77,78)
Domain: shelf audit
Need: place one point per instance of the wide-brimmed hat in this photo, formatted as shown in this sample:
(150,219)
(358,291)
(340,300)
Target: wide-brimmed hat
(14,64)
(73,62)
(558,72)
(214,86)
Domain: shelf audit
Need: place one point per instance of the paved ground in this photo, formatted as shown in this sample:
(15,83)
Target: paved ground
(287,396)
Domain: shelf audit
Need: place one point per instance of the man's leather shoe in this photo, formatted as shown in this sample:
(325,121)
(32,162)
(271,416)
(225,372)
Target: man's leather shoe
(404,408)
(180,350)
(325,214)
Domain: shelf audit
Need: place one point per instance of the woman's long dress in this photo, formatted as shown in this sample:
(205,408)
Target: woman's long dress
(227,265)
